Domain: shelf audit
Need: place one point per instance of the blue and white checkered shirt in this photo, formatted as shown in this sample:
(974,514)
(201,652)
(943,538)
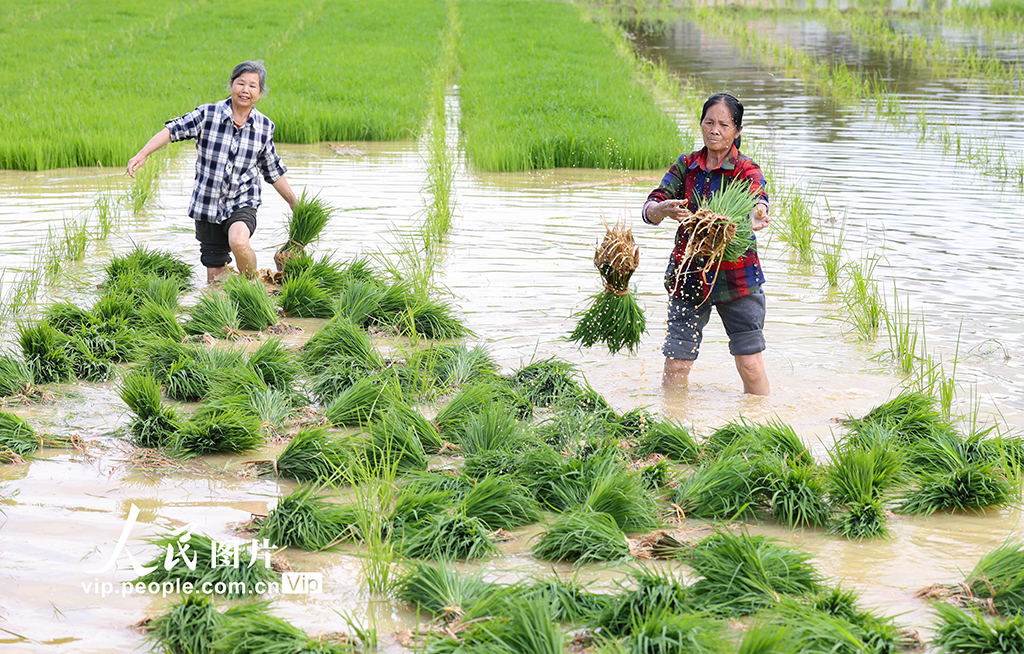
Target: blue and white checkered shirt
(227,159)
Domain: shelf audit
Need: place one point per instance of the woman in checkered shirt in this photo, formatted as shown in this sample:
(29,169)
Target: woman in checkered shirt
(234,148)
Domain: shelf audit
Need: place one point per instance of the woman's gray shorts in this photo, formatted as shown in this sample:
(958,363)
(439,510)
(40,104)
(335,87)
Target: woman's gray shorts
(743,319)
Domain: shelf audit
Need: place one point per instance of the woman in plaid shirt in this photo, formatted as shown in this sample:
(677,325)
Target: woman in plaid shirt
(234,148)
(735,288)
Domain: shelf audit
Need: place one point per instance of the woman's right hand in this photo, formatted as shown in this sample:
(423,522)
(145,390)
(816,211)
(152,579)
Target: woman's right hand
(134,164)
(674,209)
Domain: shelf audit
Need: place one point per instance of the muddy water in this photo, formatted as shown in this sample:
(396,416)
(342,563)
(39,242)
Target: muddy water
(519,262)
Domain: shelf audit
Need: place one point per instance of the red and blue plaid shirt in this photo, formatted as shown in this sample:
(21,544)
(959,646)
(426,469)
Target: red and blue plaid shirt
(228,159)
(689,179)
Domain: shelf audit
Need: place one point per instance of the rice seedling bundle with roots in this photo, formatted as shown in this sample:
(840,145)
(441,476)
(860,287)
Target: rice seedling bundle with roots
(17,438)
(237,581)
(614,317)
(308,219)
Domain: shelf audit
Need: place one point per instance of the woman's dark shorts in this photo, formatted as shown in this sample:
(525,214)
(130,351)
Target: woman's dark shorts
(214,250)
(743,319)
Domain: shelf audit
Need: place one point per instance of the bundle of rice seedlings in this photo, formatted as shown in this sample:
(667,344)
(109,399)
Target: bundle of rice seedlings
(441,590)
(654,591)
(613,317)
(315,455)
(969,488)
(356,301)
(664,632)
(393,448)
(912,415)
(862,519)
(275,363)
(794,493)
(1000,575)
(302,296)
(308,219)
(879,633)
(429,318)
(735,437)
(446,536)
(723,489)
(161,321)
(215,429)
(258,632)
(15,377)
(306,520)
(237,581)
(720,230)
(500,503)
(330,275)
(142,261)
(548,382)
(335,378)
(530,629)
(971,632)
(816,631)
(635,423)
(863,475)
(255,308)
(86,364)
(402,416)
(576,429)
(161,291)
(493,428)
(187,380)
(189,625)
(17,438)
(154,424)
(494,462)
(778,438)
(365,402)
(457,365)
(948,451)
(213,314)
(67,317)
(452,419)
(622,495)
(742,574)
(767,638)
(655,476)
(582,536)
(47,353)
(569,599)
(340,338)
(670,438)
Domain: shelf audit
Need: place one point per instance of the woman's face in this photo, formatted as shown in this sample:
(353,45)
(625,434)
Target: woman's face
(718,129)
(245,90)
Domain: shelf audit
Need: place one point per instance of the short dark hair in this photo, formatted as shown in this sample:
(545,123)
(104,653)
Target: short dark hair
(250,67)
(734,106)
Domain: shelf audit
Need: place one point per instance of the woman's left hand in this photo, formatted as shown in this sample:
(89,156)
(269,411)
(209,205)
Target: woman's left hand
(759,218)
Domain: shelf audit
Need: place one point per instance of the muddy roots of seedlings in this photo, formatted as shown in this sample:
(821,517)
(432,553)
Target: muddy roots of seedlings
(613,317)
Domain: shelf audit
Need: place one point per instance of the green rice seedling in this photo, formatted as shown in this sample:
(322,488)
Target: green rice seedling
(665,633)
(187,380)
(819,632)
(357,300)
(493,462)
(582,536)
(452,419)
(308,219)
(458,365)
(214,429)
(275,363)
(569,599)
(862,519)
(911,414)
(723,489)
(429,318)
(879,633)
(970,632)
(17,438)
(393,447)
(340,338)
(655,477)
(262,633)
(160,354)
(492,428)
(159,290)
(144,261)
(444,592)
(302,296)
(255,308)
(47,353)
(85,364)
(365,402)
(999,575)
(215,315)
(305,519)
(670,438)
(635,423)
(187,626)
(863,475)
(969,488)
(154,424)
(339,375)
(577,429)
(831,257)
(315,455)
(794,493)
(446,536)
(270,407)
(67,318)
(548,382)
(500,504)
(15,377)
(767,638)
(530,629)
(161,321)
(656,591)
(622,495)
(864,304)
(778,438)
(394,300)
(734,435)
(418,500)
(194,564)
(742,574)
(948,451)
(404,417)
(613,316)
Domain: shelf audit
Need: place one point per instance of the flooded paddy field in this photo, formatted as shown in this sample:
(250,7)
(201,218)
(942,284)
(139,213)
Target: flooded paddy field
(518,262)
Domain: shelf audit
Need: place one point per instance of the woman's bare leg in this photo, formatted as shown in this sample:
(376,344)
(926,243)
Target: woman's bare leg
(238,239)
(751,369)
(677,372)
